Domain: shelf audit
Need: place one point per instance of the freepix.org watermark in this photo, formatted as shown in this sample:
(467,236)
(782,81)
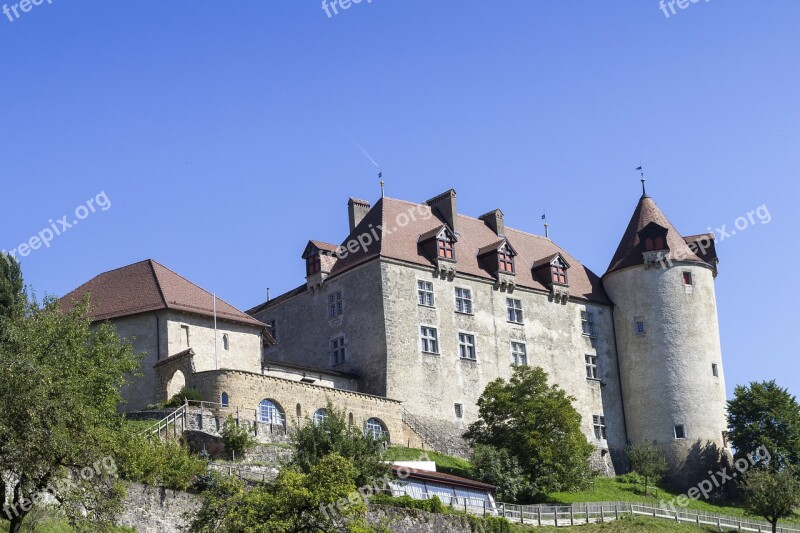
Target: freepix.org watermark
(368,238)
(15,11)
(60,226)
(668,6)
(332,7)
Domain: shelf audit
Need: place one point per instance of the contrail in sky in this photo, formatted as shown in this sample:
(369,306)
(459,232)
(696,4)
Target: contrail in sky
(364,151)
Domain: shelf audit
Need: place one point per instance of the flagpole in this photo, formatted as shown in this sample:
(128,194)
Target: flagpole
(216,362)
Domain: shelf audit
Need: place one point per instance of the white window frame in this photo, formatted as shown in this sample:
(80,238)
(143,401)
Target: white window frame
(338,347)
(429,343)
(464,302)
(513,311)
(599,426)
(587,319)
(467,346)
(591,366)
(425,294)
(516,353)
(335,304)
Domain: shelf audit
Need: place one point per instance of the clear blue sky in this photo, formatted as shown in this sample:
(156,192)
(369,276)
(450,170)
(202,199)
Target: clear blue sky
(222,134)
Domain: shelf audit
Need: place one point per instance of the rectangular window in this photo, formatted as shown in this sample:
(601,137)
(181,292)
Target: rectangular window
(335,304)
(184,336)
(466,346)
(587,323)
(464,301)
(514,310)
(425,293)
(430,339)
(599,423)
(715,370)
(313,264)
(687,278)
(680,432)
(559,274)
(519,353)
(445,246)
(338,351)
(459,410)
(505,260)
(273,328)
(638,326)
(591,366)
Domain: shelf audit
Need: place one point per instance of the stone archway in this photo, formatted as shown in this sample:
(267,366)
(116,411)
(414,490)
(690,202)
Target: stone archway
(175,384)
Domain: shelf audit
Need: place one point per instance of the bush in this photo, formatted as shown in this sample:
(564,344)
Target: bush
(499,468)
(237,439)
(163,464)
(433,505)
(186,393)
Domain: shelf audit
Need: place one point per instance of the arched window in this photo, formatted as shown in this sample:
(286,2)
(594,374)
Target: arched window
(320,415)
(224,400)
(376,429)
(225,342)
(270,413)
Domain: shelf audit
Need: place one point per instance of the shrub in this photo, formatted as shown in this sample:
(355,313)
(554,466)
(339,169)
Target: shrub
(186,393)
(153,462)
(237,439)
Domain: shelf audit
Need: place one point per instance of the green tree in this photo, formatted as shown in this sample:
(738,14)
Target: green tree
(59,391)
(647,461)
(237,439)
(764,414)
(323,500)
(499,468)
(12,288)
(538,425)
(771,494)
(334,435)
(149,460)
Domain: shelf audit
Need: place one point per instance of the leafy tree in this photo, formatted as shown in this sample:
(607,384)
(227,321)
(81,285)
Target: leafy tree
(237,439)
(334,435)
(538,425)
(323,500)
(647,461)
(499,468)
(59,392)
(764,414)
(151,461)
(12,288)
(771,494)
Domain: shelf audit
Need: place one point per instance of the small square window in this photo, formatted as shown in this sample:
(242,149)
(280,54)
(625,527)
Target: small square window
(687,278)
(715,370)
(638,326)
(680,432)
(463,301)
(459,410)
(425,293)
(466,346)
(514,310)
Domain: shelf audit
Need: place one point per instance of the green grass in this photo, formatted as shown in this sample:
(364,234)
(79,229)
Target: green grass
(617,490)
(444,463)
(41,524)
(636,524)
(140,426)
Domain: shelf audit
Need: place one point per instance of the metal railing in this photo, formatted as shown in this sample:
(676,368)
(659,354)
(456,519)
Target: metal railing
(164,424)
(428,437)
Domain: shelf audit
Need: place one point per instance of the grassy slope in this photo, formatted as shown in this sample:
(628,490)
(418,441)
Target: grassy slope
(444,463)
(628,525)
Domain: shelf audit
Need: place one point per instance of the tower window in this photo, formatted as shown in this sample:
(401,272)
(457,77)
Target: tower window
(430,339)
(463,301)
(591,366)
(313,264)
(687,279)
(505,260)
(638,326)
(335,304)
(224,400)
(649,244)
(715,370)
(425,293)
(338,351)
(680,432)
(599,423)
(587,323)
(660,243)
(466,346)
(519,353)
(459,410)
(225,342)
(445,247)
(514,310)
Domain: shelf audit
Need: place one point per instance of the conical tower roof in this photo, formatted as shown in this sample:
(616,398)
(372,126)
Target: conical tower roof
(630,249)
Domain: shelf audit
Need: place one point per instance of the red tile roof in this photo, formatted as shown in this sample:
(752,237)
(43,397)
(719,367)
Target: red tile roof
(630,249)
(149,286)
(439,477)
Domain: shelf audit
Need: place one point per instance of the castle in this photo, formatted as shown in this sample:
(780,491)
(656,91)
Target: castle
(405,323)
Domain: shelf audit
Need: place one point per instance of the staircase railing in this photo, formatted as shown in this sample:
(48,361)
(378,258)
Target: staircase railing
(163,425)
(428,437)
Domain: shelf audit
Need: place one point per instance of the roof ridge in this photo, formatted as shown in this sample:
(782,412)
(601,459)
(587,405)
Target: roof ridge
(152,262)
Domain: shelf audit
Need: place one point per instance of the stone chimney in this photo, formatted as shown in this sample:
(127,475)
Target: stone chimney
(445,206)
(356,211)
(494,219)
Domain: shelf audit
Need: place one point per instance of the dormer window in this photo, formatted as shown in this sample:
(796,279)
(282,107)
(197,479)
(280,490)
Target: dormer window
(313,264)
(445,245)
(505,259)
(654,237)
(559,273)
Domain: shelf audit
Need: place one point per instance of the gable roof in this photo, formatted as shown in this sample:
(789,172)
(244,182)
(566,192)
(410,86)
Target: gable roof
(630,249)
(149,286)
(403,223)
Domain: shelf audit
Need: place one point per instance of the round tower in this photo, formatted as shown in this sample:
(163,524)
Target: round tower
(670,360)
